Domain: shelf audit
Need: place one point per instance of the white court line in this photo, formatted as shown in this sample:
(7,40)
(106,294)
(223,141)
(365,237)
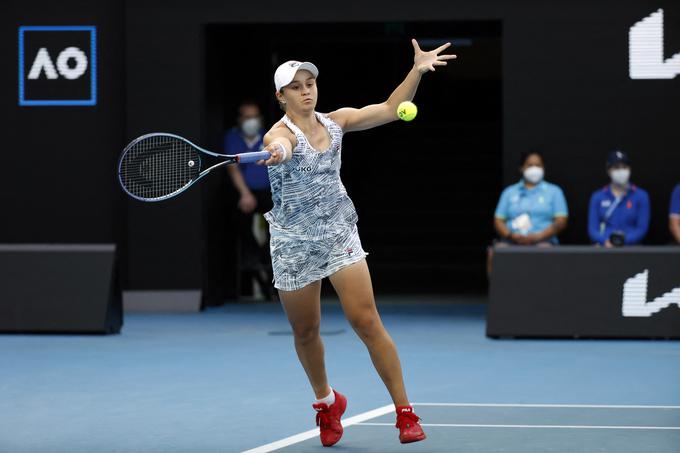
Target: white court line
(358,419)
(466,425)
(583,406)
(315,432)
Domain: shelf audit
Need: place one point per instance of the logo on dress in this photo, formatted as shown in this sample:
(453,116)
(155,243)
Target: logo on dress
(349,251)
(307,168)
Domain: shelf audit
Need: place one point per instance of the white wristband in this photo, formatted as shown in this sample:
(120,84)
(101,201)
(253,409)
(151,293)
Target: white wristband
(285,151)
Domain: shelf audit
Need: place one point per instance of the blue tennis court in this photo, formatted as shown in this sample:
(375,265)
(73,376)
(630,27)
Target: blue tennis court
(181,176)
(227,380)
(514,427)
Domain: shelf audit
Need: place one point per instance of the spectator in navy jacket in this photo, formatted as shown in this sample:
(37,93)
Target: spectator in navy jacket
(619,213)
(252,183)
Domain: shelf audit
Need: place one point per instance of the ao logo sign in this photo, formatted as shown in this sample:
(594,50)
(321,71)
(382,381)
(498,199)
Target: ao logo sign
(635,297)
(57,65)
(646,50)
(43,62)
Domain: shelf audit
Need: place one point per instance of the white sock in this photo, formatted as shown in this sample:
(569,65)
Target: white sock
(330,399)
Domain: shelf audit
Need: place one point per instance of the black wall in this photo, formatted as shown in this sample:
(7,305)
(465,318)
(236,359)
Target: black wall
(565,89)
(58,165)
(423,190)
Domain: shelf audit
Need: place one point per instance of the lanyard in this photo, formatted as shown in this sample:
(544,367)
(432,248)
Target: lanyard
(609,213)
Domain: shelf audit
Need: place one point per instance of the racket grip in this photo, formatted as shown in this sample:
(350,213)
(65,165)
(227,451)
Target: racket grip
(246,158)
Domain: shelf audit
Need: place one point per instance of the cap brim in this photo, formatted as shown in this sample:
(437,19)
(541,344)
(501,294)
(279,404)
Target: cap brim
(309,67)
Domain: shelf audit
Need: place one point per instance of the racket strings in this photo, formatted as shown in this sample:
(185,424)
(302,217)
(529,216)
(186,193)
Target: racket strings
(158,166)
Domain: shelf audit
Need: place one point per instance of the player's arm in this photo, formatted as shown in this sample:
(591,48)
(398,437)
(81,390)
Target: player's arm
(279,141)
(351,119)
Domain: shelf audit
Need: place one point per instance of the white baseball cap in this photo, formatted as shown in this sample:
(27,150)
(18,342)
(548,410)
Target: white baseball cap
(285,73)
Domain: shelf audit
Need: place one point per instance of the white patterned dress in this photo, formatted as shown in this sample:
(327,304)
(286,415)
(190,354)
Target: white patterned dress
(313,221)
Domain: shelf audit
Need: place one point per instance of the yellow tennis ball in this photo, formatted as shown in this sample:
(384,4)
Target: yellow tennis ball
(407,111)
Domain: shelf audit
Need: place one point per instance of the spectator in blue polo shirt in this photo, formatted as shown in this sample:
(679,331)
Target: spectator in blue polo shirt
(531,211)
(252,184)
(619,213)
(674,214)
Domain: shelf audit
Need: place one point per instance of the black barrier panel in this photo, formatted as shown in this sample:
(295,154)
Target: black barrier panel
(59,288)
(584,291)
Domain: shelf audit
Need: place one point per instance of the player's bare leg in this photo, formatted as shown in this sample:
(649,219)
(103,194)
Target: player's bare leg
(353,285)
(303,309)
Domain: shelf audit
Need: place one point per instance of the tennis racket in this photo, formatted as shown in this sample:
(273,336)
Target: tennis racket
(155,167)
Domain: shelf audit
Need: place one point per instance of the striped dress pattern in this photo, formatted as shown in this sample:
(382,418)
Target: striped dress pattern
(313,221)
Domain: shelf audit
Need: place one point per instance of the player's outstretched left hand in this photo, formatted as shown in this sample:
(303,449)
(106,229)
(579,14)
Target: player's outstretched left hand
(427,61)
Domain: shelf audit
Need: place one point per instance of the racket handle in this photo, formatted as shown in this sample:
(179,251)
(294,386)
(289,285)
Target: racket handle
(246,158)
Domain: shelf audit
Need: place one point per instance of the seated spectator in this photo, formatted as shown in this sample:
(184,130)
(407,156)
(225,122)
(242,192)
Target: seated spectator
(619,213)
(674,215)
(532,211)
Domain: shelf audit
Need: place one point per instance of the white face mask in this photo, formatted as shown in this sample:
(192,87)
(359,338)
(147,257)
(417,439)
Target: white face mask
(251,127)
(533,174)
(620,176)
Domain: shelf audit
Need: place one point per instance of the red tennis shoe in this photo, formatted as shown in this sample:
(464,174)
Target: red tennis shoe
(409,428)
(328,419)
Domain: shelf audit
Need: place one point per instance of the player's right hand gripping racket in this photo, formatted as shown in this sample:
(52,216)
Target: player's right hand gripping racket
(155,167)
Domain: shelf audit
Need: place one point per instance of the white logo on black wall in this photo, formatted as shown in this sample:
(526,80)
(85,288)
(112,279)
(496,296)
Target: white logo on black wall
(646,50)
(43,64)
(57,65)
(635,297)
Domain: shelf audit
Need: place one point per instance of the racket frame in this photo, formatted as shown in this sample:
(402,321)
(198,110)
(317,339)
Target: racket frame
(230,159)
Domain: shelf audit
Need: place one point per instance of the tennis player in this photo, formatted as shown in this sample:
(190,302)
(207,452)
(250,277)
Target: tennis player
(314,233)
